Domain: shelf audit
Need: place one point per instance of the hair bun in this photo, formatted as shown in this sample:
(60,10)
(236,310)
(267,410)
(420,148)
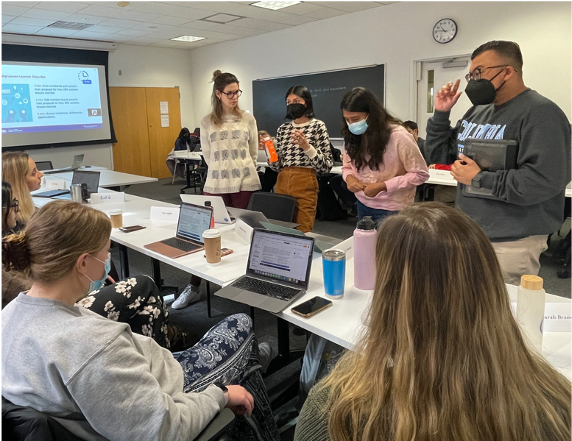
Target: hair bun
(216,73)
(15,255)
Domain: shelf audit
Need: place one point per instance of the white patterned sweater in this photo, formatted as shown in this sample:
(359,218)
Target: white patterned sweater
(318,157)
(230,151)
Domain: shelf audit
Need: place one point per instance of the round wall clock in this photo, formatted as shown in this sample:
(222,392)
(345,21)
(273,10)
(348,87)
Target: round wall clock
(444,30)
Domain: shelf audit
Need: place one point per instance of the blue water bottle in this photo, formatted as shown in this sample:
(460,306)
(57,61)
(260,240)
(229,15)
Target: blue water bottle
(334,264)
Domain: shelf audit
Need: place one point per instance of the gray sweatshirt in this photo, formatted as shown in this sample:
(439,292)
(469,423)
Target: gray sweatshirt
(532,195)
(76,365)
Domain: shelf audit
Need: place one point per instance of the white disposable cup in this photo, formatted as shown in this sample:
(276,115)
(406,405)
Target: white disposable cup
(212,239)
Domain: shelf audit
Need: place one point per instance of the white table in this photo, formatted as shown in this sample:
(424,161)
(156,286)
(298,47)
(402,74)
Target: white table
(107,178)
(343,322)
(183,154)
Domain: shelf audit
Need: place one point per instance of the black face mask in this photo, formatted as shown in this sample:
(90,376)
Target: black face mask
(295,111)
(482,91)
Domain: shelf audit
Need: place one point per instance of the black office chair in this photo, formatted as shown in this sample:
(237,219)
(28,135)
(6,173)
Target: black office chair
(44,165)
(274,206)
(26,424)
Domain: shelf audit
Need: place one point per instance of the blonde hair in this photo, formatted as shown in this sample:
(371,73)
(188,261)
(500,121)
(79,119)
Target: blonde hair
(50,244)
(442,358)
(221,80)
(14,171)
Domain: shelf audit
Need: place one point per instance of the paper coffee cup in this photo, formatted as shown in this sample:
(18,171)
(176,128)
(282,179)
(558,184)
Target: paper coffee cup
(116,218)
(212,246)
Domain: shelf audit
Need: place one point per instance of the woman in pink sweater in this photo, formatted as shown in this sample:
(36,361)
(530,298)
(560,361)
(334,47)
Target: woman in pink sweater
(382,163)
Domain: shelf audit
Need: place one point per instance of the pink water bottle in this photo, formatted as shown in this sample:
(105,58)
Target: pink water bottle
(365,236)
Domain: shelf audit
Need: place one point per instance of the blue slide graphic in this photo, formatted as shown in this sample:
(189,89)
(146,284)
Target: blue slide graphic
(16,105)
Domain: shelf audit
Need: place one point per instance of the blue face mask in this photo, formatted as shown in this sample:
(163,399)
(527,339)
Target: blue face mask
(358,128)
(97,284)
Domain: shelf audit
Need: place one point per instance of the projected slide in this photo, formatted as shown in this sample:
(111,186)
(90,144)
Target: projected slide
(50,98)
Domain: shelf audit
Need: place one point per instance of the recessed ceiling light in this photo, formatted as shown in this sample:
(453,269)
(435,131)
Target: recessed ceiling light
(274,5)
(188,38)
(221,18)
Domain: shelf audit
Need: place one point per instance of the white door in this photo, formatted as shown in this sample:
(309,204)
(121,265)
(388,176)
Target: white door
(433,77)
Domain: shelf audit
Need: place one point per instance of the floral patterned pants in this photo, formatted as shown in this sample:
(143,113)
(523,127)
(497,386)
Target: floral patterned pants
(136,301)
(228,353)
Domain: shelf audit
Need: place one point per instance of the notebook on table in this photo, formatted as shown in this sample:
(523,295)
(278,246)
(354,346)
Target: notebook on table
(277,271)
(194,220)
(77,162)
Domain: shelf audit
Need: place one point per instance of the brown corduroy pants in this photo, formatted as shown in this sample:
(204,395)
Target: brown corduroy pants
(302,184)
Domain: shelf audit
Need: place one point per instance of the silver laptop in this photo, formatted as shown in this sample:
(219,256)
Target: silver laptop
(89,178)
(221,215)
(77,162)
(277,272)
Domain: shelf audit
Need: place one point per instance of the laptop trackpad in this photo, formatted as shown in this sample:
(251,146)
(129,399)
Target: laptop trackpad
(250,298)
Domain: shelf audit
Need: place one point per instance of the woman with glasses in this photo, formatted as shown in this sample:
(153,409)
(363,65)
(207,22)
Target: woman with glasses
(229,141)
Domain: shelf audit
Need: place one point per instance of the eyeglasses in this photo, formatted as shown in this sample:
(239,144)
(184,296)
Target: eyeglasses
(14,204)
(476,74)
(231,95)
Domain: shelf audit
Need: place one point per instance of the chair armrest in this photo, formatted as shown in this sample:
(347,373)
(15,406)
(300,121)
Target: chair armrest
(218,424)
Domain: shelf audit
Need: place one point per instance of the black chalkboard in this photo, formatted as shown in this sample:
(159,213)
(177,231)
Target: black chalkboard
(327,88)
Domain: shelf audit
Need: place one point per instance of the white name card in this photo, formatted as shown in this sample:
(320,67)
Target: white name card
(107,198)
(243,230)
(55,184)
(165,213)
(557,317)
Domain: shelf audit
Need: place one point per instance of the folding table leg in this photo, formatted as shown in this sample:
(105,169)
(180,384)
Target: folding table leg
(123,262)
(156,271)
(209,311)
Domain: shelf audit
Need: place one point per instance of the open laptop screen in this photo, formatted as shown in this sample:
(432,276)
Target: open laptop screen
(91,178)
(281,256)
(193,221)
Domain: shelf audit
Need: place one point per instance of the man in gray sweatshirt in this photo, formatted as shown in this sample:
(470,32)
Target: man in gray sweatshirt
(529,200)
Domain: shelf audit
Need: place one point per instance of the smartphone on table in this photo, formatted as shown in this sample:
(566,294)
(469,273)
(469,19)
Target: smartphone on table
(131,228)
(312,307)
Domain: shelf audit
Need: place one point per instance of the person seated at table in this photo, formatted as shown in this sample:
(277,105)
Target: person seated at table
(382,164)
(441,357)
(96,374)
(21,172)
(136,301)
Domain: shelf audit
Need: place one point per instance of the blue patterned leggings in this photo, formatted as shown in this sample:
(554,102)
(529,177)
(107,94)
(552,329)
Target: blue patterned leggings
(228,353)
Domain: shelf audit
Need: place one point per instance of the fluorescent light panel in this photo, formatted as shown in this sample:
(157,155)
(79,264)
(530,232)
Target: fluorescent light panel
(187,38)
(274,5)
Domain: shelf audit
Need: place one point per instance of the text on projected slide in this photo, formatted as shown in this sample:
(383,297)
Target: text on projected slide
(48,99)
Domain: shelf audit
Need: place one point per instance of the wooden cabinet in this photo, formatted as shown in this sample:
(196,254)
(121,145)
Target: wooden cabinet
(142,143)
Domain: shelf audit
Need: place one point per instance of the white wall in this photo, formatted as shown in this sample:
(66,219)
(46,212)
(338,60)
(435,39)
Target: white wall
(396,34)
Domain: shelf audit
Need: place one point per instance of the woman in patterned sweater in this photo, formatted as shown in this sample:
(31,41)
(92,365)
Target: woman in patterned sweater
(303,150)
(229,141)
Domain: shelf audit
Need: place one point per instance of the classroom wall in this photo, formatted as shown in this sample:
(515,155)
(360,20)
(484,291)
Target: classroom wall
(396,34)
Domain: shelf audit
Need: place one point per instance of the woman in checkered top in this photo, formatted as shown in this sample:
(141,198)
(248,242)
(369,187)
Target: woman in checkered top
(303,150)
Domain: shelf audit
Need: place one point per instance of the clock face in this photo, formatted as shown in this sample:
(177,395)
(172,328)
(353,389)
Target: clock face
(444,30)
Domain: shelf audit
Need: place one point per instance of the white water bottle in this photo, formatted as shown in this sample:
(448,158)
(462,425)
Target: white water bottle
(530,309)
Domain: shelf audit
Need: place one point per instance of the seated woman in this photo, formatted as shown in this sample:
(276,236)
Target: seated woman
(65,360)
(21,172)
(442,357)
(136,301)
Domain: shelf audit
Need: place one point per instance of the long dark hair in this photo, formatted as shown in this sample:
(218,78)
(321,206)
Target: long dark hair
(221,80)
(374,141)
(6,204)
(304,93)
(184,133)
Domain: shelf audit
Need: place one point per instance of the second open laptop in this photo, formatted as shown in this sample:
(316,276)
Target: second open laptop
(221,215)
(194,220)
(277,272)
(77,162)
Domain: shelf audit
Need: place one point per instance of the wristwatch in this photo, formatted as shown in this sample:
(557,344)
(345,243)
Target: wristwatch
(476,182)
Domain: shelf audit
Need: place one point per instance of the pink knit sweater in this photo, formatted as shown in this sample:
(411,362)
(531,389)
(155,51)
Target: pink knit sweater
(403,169)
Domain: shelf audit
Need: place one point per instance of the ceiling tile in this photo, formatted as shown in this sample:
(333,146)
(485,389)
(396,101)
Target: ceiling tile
(23,4)
(324,13)
(32,21)
(101,11)
(348,6)
(227,28)
(54,32)
(194,13)
(133,32)
(9,9)
(81,18)
(86,35)
(105,29)
(170,20)
(7,18)
(43,13)
(293,20)
(302,8)
(260,24)
(62,6)
(20,29)
(121,23)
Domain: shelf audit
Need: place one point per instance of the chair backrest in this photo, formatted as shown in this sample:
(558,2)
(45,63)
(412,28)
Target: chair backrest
(44,165)
(274,206)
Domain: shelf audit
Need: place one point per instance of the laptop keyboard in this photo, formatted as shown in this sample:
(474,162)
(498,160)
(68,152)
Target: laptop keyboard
(266,288)
(182,245)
